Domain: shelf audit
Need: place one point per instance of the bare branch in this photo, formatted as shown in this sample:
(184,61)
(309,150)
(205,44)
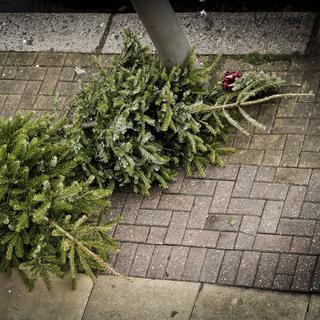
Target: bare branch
(252,102)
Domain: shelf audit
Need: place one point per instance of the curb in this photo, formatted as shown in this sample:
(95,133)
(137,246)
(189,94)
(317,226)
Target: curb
(213,33)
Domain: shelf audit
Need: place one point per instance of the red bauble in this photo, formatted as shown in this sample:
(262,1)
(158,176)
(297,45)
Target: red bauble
(229,79)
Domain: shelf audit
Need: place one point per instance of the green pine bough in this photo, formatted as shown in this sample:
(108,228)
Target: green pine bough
(47,216)
(137,122)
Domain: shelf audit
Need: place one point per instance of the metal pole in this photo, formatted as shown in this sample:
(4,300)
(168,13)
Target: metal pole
(164,30)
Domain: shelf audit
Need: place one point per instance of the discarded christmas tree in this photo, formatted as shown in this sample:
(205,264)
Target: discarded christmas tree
(47,218)
(135,123)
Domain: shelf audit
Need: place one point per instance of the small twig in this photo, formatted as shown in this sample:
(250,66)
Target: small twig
(253,102)
(95,257)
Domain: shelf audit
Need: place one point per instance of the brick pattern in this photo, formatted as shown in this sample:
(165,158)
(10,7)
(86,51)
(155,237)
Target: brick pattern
(253,223)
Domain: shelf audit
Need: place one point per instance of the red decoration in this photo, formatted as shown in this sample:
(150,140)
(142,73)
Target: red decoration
(229,79)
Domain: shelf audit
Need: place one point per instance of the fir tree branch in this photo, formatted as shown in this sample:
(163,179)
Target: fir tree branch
(251,102)
(91,254)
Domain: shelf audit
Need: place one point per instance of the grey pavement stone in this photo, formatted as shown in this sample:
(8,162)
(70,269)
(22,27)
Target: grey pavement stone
(67,74)
(270,191)
(304,272)
(274,243)
(31,73)
(177,227)
(157,235)
(131,207)
(154,217)
(200,238)
(11,105)
(244,241)
(249,157)
(199,212)
(314,127)
(159,262)
(151,201)
(309,160)
(117,299)
(293,175)
(288,106)
(142,258)
(131,233)
(58,304)
(80,59)
(212,265)
(50,59)
(300,244)
(225,303)
(228,172)
(272,158)
(293,203)
(245,206)
(315,286)
(266,270)
(176,202)
(176,262)
(265,142)
(313,192)
(49,31)
(296,193)
(292,150)
(8,72)
(193,266)
(315,243)
(244,181)
(265,174)
(296,227)
(282,282)
(287,263)
(311,210)
(49,84)
(198,187)
(226,240)
(290,126)
(12,87)
(229,267)
(250,224)
(314,308)
(222,196)
(118,199)
(20,59)
(125,257)
(275,32)
(266,116)
(67,88)
(311,144)
(248,268)
(270,217)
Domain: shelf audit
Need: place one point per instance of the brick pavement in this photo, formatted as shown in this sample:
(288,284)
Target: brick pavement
(254,223)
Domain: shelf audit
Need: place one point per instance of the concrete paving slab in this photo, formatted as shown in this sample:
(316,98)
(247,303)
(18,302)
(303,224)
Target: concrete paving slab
(61,303)
(143,299)
(51,32)
(314,308)
(228,33)
(225,303)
